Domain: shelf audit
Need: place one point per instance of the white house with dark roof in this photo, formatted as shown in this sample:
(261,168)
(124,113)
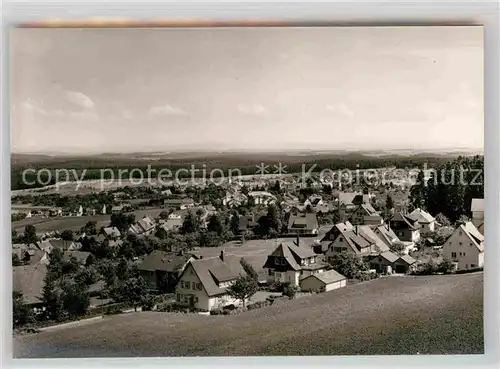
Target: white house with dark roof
(290,262)
(477,210)
(323,282)
(203,283)
(465,247)
(426,221)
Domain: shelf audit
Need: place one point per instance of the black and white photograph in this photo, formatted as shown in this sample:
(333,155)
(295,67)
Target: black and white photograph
(247,191)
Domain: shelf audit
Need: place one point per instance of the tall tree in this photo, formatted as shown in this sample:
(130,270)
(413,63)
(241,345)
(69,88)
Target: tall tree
(215,225)
(52,299)
(417,192)
(191,223)
(235,224)
(30,236)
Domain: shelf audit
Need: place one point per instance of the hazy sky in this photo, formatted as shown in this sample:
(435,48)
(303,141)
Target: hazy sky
(87,90)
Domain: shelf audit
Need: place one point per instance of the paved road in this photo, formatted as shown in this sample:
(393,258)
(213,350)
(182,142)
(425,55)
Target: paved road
(428,315)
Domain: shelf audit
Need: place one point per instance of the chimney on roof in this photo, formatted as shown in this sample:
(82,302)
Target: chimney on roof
(356,229)
(297,240)
(221,256)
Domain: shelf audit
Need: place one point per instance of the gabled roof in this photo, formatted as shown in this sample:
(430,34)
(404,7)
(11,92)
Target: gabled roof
(48,245)
(29,280)
(369,210)
(387,233)
(330,276)
(80,256)
(347,197)
(290,252)
(476,237)
(421,216)
(477,205)
(164,261)
(212,271)
(400,217)
(303,221)
(407,259)
(111,231)
(389,256)
(372,237)
(146,223)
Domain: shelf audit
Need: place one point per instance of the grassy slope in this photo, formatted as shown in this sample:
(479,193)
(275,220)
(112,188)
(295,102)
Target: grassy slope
(396,315)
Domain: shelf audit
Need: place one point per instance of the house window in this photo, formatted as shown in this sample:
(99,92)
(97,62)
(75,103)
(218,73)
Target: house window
(341,239)
(277,260)
(277,275)
(460,243)
(271,272)
(200,287)
(460,233)
(470,244)
(179,296)
(337,249)
(187,284)
(473,265)
(453,254)
(423,226)
(464,253)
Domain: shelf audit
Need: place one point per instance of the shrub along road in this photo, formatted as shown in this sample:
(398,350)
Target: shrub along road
(394,315)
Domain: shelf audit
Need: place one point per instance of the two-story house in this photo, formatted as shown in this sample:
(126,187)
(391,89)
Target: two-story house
(360,240)
(426,221)
(406,228)
(203,283)
(465,247)
(290,262)
(366,214)
(162,269)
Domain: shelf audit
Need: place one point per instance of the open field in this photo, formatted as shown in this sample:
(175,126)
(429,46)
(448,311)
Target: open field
(394,315)
(74,223)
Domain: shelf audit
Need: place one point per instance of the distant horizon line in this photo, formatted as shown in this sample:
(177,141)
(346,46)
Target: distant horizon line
(252,150)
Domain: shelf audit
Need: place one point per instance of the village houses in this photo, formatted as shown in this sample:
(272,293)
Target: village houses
(465,247)
(290,262)
(203,283)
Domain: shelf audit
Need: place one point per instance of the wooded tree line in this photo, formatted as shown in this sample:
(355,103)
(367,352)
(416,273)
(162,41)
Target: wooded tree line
(450,188)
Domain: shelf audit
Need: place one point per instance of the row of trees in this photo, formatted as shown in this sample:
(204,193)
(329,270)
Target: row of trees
(450,188)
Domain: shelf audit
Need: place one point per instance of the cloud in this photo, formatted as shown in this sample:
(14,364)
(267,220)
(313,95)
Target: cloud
(341,108)
(80,99)
(86,116)
(166,110)
(252,109)
(126,114)
(33,107)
